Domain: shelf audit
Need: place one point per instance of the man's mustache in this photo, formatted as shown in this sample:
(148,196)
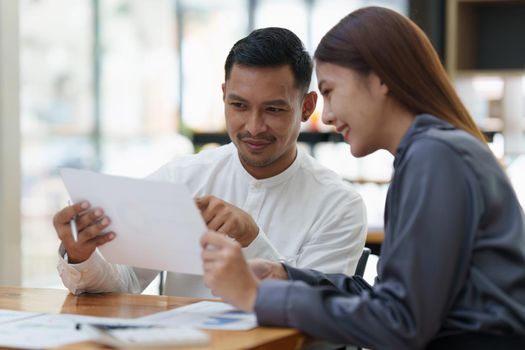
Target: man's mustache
(263,137)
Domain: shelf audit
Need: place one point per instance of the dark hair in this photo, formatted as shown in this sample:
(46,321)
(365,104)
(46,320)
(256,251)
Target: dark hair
(398,51)
(272,47)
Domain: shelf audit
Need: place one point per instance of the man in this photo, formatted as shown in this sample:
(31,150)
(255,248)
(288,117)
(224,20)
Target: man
(261,190)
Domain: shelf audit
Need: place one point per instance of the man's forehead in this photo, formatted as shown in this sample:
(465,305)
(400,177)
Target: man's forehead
(267,83)
(282,73)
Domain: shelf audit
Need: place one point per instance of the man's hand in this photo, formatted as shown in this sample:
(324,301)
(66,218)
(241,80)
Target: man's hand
(264,269)
(90,224)
(226,272)
(223,217)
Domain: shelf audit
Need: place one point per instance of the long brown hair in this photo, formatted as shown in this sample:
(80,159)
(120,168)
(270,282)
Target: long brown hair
(398,51)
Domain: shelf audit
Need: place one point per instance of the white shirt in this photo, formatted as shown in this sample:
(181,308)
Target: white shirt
(307,217)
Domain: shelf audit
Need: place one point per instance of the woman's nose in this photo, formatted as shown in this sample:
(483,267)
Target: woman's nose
(328,117)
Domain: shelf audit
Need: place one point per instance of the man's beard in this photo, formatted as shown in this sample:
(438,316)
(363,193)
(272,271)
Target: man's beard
(263,137)
(257,163)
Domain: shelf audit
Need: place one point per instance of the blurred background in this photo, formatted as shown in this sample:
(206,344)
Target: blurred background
(123,86)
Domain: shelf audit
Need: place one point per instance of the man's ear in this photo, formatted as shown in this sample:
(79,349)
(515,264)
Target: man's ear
(309,103)
(223,87)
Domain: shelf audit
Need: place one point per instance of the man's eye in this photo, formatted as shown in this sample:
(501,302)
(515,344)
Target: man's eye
(237,105)
(274,109)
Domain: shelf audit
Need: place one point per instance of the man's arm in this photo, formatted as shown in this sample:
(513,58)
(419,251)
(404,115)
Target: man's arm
(336,245)
(226,218)
(223,217)
(96,275)
(83,269)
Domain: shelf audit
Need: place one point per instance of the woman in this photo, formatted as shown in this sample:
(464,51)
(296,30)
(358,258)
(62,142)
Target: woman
(452,267)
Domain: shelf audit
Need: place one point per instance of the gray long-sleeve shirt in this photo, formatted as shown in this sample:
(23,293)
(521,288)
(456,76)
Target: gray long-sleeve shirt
(453,259)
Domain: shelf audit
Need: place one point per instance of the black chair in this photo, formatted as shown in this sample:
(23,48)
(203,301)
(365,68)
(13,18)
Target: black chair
(361,264)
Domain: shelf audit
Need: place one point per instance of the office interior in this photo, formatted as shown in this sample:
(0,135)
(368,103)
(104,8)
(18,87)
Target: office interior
(124,86)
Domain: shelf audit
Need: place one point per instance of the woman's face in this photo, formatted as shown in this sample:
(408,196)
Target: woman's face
(354,103)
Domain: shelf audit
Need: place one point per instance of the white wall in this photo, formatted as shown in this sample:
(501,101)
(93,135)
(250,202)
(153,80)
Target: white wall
(10,255)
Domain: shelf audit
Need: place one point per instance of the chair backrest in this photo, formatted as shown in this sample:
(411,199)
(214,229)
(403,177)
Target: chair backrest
(361,264)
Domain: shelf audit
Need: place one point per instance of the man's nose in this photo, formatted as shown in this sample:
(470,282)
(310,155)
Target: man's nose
(256,123)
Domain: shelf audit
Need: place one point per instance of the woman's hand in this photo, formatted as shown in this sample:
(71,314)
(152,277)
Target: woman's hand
(264,269)
(226,272)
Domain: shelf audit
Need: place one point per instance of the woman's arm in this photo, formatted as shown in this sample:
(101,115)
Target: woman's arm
(423,265)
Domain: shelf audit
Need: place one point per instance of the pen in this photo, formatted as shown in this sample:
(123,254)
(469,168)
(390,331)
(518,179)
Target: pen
(111,327)
(73,225)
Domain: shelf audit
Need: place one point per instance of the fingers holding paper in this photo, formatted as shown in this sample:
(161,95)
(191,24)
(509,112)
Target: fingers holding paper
(226,272)
(89,223)
(223,217)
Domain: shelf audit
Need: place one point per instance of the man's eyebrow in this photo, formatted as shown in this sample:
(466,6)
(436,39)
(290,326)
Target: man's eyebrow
(276,103)
(235,97)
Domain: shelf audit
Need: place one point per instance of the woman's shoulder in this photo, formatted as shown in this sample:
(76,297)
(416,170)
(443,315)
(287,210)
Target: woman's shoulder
(453,151)
(430,147)
(448,143)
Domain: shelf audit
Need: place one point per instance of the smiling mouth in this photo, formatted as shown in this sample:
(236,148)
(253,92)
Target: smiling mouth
(345,131)
(256,145)
(347,135)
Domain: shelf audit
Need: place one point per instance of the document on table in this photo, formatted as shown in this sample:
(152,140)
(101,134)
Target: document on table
(204,315)
(50,330)
(158,225)
(39,330)
(13,315)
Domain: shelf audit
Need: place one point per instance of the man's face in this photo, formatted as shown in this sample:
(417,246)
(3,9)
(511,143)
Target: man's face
(263,110)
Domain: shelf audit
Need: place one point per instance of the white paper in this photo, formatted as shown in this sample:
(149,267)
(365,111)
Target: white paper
(150,336)
(13,315)
(204,315)
(36,331)
(158,225)
(50,330)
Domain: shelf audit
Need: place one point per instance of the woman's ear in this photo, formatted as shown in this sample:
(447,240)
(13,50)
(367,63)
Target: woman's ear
(377,84)
(309,103)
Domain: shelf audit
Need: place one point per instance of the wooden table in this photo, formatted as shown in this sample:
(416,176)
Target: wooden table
(375,237)
(132,305)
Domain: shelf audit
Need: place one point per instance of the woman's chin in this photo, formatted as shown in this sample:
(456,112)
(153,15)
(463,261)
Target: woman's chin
(359,152)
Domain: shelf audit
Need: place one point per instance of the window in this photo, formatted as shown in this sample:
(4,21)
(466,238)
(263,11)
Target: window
(56,120)
(209,29)
(109,84)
